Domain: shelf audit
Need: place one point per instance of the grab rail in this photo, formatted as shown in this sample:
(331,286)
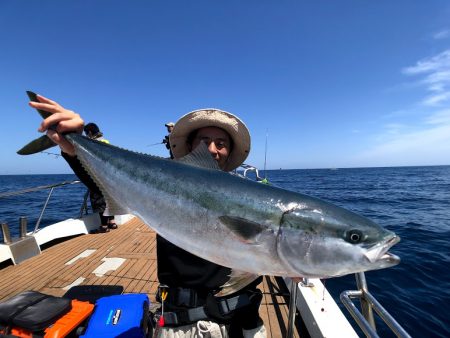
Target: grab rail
(365,320)
(84,206)
(44,187)
(249,168)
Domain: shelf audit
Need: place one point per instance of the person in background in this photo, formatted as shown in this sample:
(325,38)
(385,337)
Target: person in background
(166,141)
(189,284)
(98,203)
(92,131)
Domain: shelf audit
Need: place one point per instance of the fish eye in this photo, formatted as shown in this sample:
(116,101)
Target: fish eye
(354,236)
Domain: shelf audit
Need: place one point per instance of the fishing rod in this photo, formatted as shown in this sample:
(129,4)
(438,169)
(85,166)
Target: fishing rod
(46,152)
(154,144)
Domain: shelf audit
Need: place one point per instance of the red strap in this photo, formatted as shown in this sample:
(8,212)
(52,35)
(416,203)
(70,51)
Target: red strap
(161,321)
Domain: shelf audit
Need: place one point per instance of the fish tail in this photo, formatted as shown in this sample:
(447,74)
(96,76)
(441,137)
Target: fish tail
(42,143)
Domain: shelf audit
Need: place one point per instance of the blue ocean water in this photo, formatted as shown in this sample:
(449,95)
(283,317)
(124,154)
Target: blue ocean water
(64,203)
(414,202)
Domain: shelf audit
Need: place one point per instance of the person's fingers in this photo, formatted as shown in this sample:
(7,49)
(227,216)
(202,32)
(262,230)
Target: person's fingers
(46,104)
(48,107)
(53,119)
(65,121)
(65,145)
(44,99)
(54,136)
(74,124)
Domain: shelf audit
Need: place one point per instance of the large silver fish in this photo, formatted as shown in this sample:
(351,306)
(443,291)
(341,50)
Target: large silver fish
(232,221)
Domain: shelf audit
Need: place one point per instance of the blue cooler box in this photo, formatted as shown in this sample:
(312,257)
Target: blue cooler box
(124,315)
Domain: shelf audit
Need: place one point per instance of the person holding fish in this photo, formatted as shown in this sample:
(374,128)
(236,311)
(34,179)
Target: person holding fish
(166,141)
(254,229)
(199,298)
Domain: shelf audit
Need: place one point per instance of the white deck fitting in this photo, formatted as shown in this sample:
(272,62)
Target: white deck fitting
(84,254)
(5,252)
(109,264)
(67,228)
(321,314)
(76,282)
(72,227)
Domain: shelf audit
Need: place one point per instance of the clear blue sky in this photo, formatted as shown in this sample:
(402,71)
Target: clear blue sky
(335,83)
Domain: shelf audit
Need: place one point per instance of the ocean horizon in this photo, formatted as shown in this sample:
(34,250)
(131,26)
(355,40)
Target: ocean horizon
(275,169)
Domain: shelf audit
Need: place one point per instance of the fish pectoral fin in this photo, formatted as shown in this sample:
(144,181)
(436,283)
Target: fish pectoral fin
(246,230)
(200,157)
(238,280)
(40,144)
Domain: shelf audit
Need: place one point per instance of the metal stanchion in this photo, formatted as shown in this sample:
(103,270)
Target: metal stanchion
(6,233)
(366,308)
(23,227)
(292,309)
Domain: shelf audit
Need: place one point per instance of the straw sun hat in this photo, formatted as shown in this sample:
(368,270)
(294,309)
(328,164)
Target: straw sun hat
(212,118)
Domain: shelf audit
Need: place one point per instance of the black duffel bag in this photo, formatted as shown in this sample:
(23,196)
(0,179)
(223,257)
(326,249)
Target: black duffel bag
(32,311)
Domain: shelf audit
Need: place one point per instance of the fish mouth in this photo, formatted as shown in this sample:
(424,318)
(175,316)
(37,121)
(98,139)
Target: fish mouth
(379,252)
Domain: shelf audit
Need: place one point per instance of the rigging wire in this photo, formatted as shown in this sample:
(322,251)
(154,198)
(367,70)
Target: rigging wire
(46,152)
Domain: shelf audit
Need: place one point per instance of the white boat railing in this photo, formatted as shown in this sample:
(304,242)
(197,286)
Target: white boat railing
(324,318)
(248,169)
(23,230)
(292,309)
(365,318)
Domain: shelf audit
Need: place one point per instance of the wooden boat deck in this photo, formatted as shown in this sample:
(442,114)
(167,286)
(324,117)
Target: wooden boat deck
(53,273)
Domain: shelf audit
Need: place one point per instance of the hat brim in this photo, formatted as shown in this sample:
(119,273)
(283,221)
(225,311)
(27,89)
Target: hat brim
(212,118)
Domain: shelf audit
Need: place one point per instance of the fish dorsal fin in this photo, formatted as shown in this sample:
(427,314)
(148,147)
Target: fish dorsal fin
(238,280)
(246,230)
(200,157)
